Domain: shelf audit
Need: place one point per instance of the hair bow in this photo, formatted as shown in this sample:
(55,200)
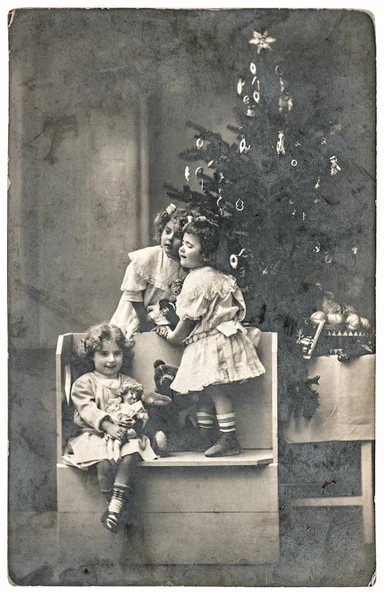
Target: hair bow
(170,209)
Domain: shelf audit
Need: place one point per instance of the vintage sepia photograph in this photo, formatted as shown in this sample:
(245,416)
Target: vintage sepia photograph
(191,297)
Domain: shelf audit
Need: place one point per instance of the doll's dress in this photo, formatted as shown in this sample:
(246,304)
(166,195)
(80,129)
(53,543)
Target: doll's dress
(91,395)
(217,351)
(151,276)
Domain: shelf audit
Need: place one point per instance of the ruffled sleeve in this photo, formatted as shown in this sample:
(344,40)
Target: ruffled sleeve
(200,289)
(83,398)
(133,284)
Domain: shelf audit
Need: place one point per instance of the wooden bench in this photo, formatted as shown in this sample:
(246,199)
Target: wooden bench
(191,509)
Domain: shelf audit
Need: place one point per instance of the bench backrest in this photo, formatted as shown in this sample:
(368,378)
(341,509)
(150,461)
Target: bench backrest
(255,401)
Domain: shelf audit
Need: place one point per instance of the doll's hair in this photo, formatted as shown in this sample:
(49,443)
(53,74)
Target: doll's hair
(208,233)
(93,341)
(172,214)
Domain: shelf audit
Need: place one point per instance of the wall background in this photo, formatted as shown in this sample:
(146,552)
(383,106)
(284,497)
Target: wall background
(98,105)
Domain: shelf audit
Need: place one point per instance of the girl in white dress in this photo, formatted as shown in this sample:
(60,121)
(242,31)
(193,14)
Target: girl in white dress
(217,349)
(153,274)
(94,395)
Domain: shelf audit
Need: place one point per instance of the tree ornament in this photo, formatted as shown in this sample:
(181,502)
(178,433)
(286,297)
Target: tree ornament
(240,85)
(199,172)
(187,173)
(334,165)
(199,143)
(262,41)
(279,71)
(294,162)
(280,143)
(354,254)
(285,102)
(243,146)
(328,258)
(353,322)
(246,99)
(253,68)
(250,112)
(256,96)
(317,248)
(234,258)
(239,204)
(317,184)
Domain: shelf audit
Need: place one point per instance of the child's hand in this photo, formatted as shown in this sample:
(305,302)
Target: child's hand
(163,331)
(116,432)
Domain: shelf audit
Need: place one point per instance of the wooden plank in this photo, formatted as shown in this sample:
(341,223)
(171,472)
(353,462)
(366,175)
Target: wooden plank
(231,489)
(208,538)
(197,459)
(328,501)
(274,399)
(63,356)
(367,492)
(171,539)
(236,489)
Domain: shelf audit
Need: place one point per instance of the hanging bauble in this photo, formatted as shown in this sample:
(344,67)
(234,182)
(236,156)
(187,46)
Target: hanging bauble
(253,68)
(328,258)
(294,162)
(239,204)
(186,173)
(335,167)
(243,146)
(233,261)
(199,143)
(240,85)
(353,322)
(256,96)
(318,316)
(199,171)
(246,99)
(250,112)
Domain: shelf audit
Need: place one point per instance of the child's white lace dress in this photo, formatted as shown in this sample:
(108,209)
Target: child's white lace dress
(218,350)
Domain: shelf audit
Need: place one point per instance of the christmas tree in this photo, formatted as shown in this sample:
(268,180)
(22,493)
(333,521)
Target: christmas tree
(274,191)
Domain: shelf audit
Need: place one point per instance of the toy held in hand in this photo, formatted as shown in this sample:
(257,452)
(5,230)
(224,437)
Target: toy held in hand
(168,310)
(127,410)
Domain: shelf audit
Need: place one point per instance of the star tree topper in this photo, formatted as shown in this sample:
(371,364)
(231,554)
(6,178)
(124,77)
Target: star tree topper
(262,40)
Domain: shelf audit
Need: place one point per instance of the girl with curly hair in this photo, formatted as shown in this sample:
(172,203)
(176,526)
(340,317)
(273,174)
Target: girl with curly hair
(217,349)
(110,418)
(153,275)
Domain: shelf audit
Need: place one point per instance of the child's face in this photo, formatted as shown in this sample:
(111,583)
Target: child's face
(170,240)
(109,359)
(190,252)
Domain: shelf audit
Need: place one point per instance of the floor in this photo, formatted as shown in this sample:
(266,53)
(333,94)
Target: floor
(319,547)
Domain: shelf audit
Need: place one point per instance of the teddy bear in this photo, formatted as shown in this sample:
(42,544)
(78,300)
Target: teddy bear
(172,422)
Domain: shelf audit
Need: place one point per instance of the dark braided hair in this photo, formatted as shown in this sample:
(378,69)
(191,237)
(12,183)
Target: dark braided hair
(208,233)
